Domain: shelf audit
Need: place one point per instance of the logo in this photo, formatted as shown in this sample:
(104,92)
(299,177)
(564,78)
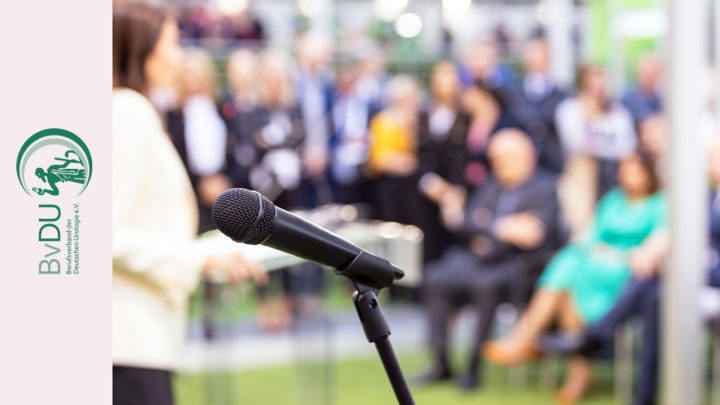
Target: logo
(54,161)
(55,166)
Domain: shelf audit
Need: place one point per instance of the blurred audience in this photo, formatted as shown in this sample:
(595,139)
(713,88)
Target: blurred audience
(586,278)
(494,166)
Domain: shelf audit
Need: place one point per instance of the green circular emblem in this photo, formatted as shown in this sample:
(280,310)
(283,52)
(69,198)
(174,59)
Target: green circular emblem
(53,160)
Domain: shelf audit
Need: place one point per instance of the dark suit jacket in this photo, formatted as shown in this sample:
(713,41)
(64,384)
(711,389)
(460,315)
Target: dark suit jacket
(538,119)
(714,265)
(444,157)
(490,202)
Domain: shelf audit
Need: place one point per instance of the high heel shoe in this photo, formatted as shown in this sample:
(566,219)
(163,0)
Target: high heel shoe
(574,391)
(506,354)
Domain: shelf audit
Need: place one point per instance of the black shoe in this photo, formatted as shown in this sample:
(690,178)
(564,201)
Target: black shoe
(562,343)
(468,382)
(434,374)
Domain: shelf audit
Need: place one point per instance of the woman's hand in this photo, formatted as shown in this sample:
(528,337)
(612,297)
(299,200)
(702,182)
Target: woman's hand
(233,267)
(210,187)
(647,259)
(643,263)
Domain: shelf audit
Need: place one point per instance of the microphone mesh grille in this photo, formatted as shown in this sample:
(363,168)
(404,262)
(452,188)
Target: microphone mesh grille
(235,213)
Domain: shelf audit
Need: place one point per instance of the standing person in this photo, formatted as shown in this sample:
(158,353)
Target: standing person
(314,94)
(242,115)
(156,262)
(541,97)
(279,142)
(442,136)
(199,133)
(393,161)
(279,135)
(596,132)
(200,137)
(352,113)
(481,64)
(488,116)
(644,99)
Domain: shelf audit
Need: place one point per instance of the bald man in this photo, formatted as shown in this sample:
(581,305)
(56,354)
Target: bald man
(510,222)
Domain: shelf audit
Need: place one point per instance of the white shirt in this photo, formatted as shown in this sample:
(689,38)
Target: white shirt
(205,136)
(610,135)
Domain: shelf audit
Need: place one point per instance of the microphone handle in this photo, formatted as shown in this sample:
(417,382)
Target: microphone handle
(296,236)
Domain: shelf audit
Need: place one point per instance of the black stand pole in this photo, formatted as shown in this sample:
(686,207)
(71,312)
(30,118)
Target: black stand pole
(364,273)
(377,331)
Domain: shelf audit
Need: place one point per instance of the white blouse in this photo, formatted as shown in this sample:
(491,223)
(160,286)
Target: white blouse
(156,260)
(610,135)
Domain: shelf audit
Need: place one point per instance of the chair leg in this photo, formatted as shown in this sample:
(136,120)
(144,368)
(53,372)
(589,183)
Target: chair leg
(623,364)
(716,370)
(548,376)
(517,376)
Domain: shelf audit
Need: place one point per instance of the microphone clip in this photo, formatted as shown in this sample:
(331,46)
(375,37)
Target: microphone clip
(370,274)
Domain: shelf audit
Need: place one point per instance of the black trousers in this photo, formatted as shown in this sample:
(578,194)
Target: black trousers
(141,386)
(458,279)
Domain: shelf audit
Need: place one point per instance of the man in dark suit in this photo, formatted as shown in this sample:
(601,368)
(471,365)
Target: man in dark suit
(540,98)
(533,103)
(510,222)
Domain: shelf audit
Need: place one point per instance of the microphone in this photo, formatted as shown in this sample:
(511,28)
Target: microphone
(249,217)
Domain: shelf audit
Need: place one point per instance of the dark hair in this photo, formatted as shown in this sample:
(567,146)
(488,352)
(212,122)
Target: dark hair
(581,76)
(649,163)
(136,30)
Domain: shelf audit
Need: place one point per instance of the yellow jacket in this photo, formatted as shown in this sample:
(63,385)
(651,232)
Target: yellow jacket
(387,139)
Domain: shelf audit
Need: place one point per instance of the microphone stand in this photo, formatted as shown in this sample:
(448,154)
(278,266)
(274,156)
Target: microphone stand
(370,274)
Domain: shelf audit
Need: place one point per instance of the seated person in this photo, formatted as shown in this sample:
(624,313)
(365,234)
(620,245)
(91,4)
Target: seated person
(507,220)
(585,279)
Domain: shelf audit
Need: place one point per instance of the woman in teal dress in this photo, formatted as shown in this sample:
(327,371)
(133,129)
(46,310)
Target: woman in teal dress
(585,279)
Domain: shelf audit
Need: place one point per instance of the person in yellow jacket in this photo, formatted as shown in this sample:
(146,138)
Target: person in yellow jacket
(392,160)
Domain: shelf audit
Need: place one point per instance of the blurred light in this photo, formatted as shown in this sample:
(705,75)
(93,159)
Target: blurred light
(230,7)
(311,8)
(412,233)
(456,6)
(394,5)
(390,230)
(542,13)
(408,25)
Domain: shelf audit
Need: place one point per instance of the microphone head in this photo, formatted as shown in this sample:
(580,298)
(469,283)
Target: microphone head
(245,216)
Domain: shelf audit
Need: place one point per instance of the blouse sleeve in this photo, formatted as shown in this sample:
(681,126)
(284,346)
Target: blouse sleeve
(570,127)
(166,258)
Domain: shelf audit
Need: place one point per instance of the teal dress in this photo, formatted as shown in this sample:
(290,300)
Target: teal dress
(594,269)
